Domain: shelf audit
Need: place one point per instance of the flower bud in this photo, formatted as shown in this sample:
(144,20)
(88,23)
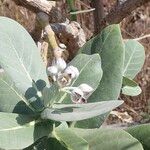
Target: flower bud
(52,70)
(63,80)
(62,46)
(72,71)
(59,63)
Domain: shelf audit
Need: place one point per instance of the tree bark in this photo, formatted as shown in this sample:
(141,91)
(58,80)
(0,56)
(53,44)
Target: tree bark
(98,14)
(121,11)
(115,16)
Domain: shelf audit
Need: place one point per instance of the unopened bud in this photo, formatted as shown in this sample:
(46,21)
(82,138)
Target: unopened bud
(62,46)
(60,64)
(63,80)
(52,70)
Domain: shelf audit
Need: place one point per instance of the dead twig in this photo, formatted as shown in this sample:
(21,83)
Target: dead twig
(142,37)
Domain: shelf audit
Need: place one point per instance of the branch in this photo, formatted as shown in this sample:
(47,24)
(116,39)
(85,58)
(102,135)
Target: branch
(43,18)
(121,11)
(37,5)
(98,14)
(48,7)
(71,34)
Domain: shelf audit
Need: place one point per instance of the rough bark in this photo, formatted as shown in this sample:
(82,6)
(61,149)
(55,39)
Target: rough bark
(98,14)
(121,11)
(116,14)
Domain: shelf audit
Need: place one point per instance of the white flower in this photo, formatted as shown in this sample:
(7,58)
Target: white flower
(80,94)
(63,80)
(77,96)
(86,89)
(59,63)
(72,71)
(52,70)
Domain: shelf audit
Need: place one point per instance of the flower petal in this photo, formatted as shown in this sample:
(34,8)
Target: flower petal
(72,71)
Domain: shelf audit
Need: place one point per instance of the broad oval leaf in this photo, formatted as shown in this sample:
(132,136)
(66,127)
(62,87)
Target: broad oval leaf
(20,131)
(47,144)
(90,72)
(130,87)
(134,58)
(70,139)
(142,133)
(76,112)
(108,139)
(21,59)
(110,46)
(11,100)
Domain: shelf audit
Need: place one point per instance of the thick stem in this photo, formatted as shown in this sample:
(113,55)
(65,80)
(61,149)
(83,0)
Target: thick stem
(98,14)
(72,8)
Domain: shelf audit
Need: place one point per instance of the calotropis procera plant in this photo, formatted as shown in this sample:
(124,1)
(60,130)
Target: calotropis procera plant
(37,114)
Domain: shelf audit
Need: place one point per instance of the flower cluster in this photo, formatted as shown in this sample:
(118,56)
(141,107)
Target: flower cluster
(64,75)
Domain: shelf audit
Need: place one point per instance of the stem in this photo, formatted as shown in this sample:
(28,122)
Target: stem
(67,89)
(98,14)
(44,21)
(72,9)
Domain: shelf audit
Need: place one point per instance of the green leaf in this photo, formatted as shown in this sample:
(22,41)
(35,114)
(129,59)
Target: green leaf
(108,139)
(47,144)
(110,46)
(89,67)
(134,58)
(111,49)
(142,133)
(11,100)
(50,95)
(20,131)
(75,112)
(70,139)
(21,59)
(130,87)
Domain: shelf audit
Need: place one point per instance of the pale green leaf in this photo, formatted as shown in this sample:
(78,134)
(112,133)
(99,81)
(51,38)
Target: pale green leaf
(110,46)
(21,60)
(134,58)
(11,100)
(142,133)
(108,139)
(70,139)
(20,131)
(75,112)
(130,87)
